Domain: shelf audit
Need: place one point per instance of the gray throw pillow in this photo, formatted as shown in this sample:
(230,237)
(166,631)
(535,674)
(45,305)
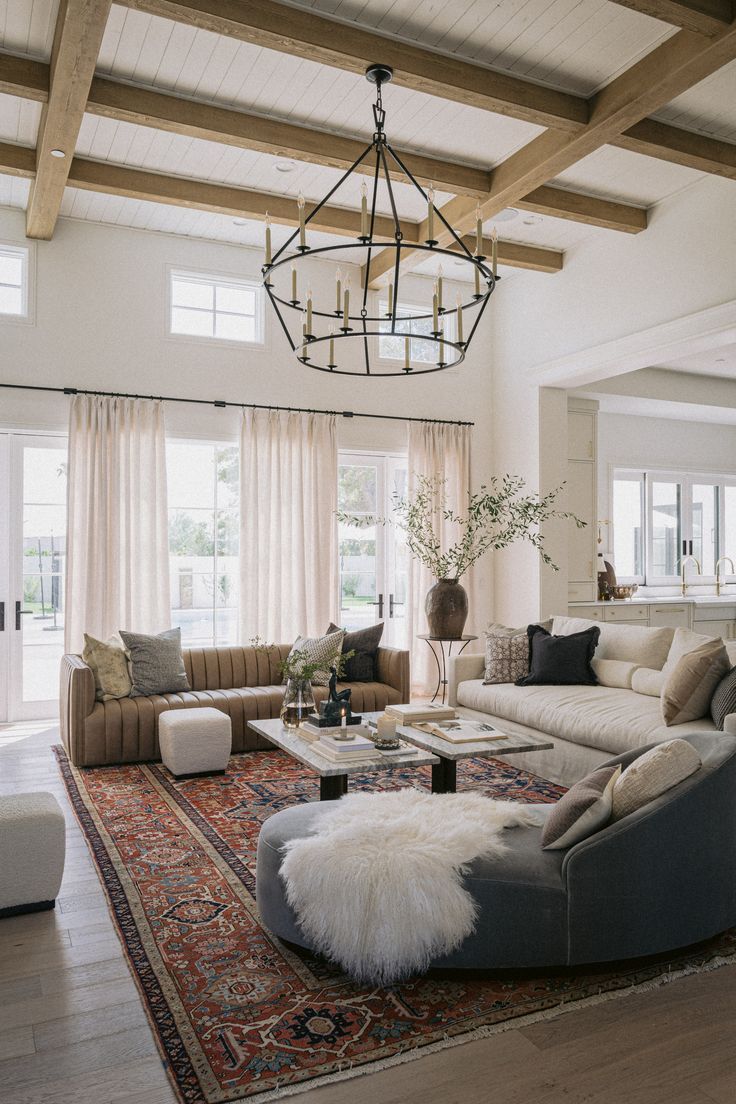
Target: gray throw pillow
(580,812)
(723,701)
(156,663)
(361,667)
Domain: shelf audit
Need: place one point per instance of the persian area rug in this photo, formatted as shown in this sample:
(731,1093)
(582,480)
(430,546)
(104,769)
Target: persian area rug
(240,1016)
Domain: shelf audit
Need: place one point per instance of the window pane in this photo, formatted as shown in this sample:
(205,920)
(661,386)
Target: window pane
(705,526)
(666,528)
(238,299)
(357,488)
(191,322)
(228,538)
(191,535)
(11,269)
(190,473)
(730,524)
(235,327)
(228,475)
(628,527)
(192,293)
(11,300)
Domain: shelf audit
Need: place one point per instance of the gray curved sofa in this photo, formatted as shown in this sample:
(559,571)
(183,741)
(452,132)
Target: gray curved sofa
(661,878)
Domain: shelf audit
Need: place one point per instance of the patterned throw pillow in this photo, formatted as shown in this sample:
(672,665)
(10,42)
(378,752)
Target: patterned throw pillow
(507,654)
(320,649)
(109,665)
(723,701)
(156,663)
(361,667)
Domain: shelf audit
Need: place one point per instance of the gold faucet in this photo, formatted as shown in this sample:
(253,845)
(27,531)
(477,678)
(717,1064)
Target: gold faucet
(723,560)
(683,562)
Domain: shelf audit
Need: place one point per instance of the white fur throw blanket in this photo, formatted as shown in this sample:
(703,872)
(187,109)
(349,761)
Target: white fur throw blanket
(378,886)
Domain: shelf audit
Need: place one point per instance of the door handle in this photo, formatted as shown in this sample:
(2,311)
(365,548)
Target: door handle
(19,613)
(390,605)
(2,617)
(379,603)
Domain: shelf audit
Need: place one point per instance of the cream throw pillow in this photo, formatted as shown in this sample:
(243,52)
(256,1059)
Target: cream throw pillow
(109,665)
(684,641)
(631,643)
(652,774)
(645,680)
(614,672)
(691,683)
(580,812)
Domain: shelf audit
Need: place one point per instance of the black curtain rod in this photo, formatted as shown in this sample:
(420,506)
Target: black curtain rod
(221,403)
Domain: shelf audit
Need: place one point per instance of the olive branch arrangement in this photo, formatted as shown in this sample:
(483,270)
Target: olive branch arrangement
(297,666)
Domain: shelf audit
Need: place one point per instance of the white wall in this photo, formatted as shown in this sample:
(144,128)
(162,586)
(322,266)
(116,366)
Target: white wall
(101,323)
(610,287)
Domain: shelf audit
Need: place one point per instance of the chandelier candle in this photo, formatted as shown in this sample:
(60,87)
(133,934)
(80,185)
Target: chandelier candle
(494,252)
(324,316)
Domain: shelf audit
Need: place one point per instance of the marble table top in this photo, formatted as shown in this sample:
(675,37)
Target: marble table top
(447,750)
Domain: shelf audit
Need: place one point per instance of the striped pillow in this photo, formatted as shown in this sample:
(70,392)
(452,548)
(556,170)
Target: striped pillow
(723,701)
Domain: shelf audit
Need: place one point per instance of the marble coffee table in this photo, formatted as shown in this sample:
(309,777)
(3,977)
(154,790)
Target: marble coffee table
(333,777)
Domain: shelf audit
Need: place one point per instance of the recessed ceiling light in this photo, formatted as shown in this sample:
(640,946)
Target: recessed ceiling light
(240,222)
(532,220)
(285,166)
(506,215)
(720,360)
(58,153)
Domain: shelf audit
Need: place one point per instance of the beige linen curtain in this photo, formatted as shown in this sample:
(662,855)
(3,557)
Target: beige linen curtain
(288,529)
(117,568)
(444,451)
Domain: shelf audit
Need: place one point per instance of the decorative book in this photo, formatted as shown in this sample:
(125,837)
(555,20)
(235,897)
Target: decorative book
(409,714)
(461,732)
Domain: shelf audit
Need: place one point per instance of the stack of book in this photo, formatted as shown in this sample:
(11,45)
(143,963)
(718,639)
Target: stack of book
(345,751)
(411,714)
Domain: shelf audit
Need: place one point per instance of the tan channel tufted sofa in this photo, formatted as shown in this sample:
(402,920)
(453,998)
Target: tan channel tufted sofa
(242,682)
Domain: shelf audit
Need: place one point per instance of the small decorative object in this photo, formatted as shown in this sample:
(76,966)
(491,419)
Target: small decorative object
(336,710)
(385,738)
(298,702)
(497,515)
(621,592)
(606,578)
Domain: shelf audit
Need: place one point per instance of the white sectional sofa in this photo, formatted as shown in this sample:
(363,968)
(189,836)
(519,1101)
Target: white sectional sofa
(588,724)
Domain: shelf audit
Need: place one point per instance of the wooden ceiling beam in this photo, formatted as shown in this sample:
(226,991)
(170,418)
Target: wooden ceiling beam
(344,45)
(666,72)
(80,26)
(516,255)
(17,161)
(20,76)
(680,147)
(590,210)
(706,17)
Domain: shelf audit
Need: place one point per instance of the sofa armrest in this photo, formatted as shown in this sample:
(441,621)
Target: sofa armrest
(393,669)
(729,724)
(461,668)
(76,702)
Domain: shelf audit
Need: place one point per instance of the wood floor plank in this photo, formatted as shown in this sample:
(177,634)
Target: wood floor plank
(97,1024)
(42,1009)
(78,1058)
(17,1041)
(77,977)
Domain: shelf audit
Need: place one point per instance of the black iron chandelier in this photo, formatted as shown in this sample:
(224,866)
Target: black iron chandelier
(325,336)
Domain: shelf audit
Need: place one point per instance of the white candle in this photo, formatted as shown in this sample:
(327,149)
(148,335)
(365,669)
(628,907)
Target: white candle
(459,318)
(338,287)
(309,310)
(346,307)
(344,720)
(435,322)
(390,310)
(439,287)
(494,250)
(478,230)
(332,348)
(304,333)
(477,279)
(442,346)
(268,239)
(363,211)
(302,225)
(430,213)
(386,727)
(294,296)
(407,351)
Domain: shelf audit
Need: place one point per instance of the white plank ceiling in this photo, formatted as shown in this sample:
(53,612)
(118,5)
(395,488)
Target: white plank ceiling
(27,26)
(709,107)
(629,177)
(19,120)
(14,191)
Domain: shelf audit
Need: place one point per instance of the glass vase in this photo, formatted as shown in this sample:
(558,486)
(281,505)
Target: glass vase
(298,702)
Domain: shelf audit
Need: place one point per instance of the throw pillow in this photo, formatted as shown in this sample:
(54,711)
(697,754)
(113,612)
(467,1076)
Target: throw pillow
(109,666)
(323,650)
(560,660)
(645,680)
(614,672)
(683,642)
(630,643)
(723,701)
(652,774)
(580,812)
(507,654)
(156,663)
(690,685)
(361,667)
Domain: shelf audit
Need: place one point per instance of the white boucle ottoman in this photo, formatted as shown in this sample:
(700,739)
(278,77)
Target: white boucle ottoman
(32,848)
(194,741)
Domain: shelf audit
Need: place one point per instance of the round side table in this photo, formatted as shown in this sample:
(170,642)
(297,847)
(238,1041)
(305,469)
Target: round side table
(441,657)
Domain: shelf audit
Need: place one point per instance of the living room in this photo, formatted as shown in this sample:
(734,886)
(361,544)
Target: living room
(224,257)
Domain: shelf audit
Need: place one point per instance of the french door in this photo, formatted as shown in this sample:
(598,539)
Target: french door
(372,558)
(33,473)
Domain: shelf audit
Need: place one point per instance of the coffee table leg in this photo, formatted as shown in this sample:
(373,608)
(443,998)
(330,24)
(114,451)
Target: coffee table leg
(333,787)
(444,776)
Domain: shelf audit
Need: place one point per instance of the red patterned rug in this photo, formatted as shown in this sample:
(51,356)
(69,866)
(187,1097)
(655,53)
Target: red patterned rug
(236,1013)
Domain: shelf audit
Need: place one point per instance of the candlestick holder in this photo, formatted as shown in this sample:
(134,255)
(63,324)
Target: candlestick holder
(346,329)
(431,242)
(303,248)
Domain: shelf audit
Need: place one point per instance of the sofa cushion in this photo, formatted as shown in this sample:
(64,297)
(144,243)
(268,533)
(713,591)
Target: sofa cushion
(723,701)
(614,721)
(323,650)
(109,665)
(507,654)
(684,641)
(645,680)
(580,812)
(690,685)
(614,672)
(631,643)
(652,774)
(560,660)
(156,662)
(361,667)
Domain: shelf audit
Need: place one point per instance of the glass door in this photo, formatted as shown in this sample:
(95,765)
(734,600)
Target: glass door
(372,558)
(34,558)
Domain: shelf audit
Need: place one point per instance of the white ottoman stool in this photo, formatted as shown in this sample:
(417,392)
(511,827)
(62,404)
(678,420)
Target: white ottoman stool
(194,741)
(32,848)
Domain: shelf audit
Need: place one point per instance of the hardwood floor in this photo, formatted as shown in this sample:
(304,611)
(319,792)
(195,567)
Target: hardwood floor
(72,1030)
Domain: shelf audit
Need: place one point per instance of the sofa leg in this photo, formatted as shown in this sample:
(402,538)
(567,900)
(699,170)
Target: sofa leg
(20,910)
(444,776)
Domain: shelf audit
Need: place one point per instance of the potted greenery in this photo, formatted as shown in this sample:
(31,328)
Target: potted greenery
(298,671)
(497,515)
